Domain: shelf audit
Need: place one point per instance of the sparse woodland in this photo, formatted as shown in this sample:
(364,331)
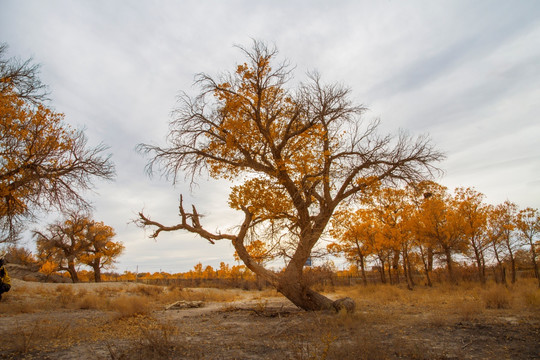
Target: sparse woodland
(433,273)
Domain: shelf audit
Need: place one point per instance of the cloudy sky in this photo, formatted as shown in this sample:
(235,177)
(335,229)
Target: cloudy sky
(465,72)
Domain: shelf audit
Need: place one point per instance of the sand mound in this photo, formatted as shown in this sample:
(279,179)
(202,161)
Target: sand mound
(27,273)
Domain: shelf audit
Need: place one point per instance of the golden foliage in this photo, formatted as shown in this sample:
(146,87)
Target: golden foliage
(33,138)
(78,240)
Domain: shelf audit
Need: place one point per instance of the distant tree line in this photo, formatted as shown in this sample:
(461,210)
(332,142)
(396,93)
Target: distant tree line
(407,230)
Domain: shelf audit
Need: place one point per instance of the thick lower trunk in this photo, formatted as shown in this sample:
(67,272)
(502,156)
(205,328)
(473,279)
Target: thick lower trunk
(536,273)
(483,266)
(449,264)
(395,265)
(390,278)
(428,278)
(73,272)
(381,270)
(291,282)
(97,273)
(293,287)
(512,259)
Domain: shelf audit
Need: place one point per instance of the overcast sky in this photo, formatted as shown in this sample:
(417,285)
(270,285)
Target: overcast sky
(465,72)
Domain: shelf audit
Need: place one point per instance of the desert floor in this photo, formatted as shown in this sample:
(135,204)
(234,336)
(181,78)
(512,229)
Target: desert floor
(130,321)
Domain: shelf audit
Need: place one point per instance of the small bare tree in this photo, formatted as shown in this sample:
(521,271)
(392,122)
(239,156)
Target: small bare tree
(303,152)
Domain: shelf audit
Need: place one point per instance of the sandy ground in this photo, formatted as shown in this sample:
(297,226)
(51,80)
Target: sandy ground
(36,323)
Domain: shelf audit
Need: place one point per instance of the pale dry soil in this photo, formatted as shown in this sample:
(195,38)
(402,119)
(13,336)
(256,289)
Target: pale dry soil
(36,322)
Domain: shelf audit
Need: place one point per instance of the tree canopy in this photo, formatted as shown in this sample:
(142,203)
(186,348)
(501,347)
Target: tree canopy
(44,163)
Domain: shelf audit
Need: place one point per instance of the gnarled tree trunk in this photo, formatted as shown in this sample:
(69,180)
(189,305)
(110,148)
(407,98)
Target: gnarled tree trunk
(292,285)
(72,271)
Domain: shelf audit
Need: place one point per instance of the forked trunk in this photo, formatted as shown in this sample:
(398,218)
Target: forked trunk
(479,266)
(499,264)
(426,266)
(381,271)
(363,268)
(513,263)
(72,271)
(407,270)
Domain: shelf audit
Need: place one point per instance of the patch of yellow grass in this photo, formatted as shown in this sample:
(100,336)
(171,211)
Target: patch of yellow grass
(204,294)
(148,290)
(127,306)
(497,297)
(92,301)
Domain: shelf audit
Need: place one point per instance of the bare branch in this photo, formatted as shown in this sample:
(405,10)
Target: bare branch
(195,227)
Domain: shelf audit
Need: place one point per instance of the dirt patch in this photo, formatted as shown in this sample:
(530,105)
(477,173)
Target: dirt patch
(254,325)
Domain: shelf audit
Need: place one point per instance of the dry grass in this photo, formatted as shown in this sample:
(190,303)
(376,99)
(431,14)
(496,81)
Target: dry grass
(154,341)
(91,301)
(127,306)
(204,294)
(465,299)
(497,297)
(65,295)
(390,322)
(470,310)
(38,334)
(148,290)
(531,298)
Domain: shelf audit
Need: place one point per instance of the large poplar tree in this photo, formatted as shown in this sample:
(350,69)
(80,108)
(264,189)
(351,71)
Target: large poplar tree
(302,152)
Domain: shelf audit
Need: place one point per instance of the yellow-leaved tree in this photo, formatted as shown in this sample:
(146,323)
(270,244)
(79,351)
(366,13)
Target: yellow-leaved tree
(43,162)
(356,233)
(303,151)
(473,222)
(101,251)
(78,240)
(528,226)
